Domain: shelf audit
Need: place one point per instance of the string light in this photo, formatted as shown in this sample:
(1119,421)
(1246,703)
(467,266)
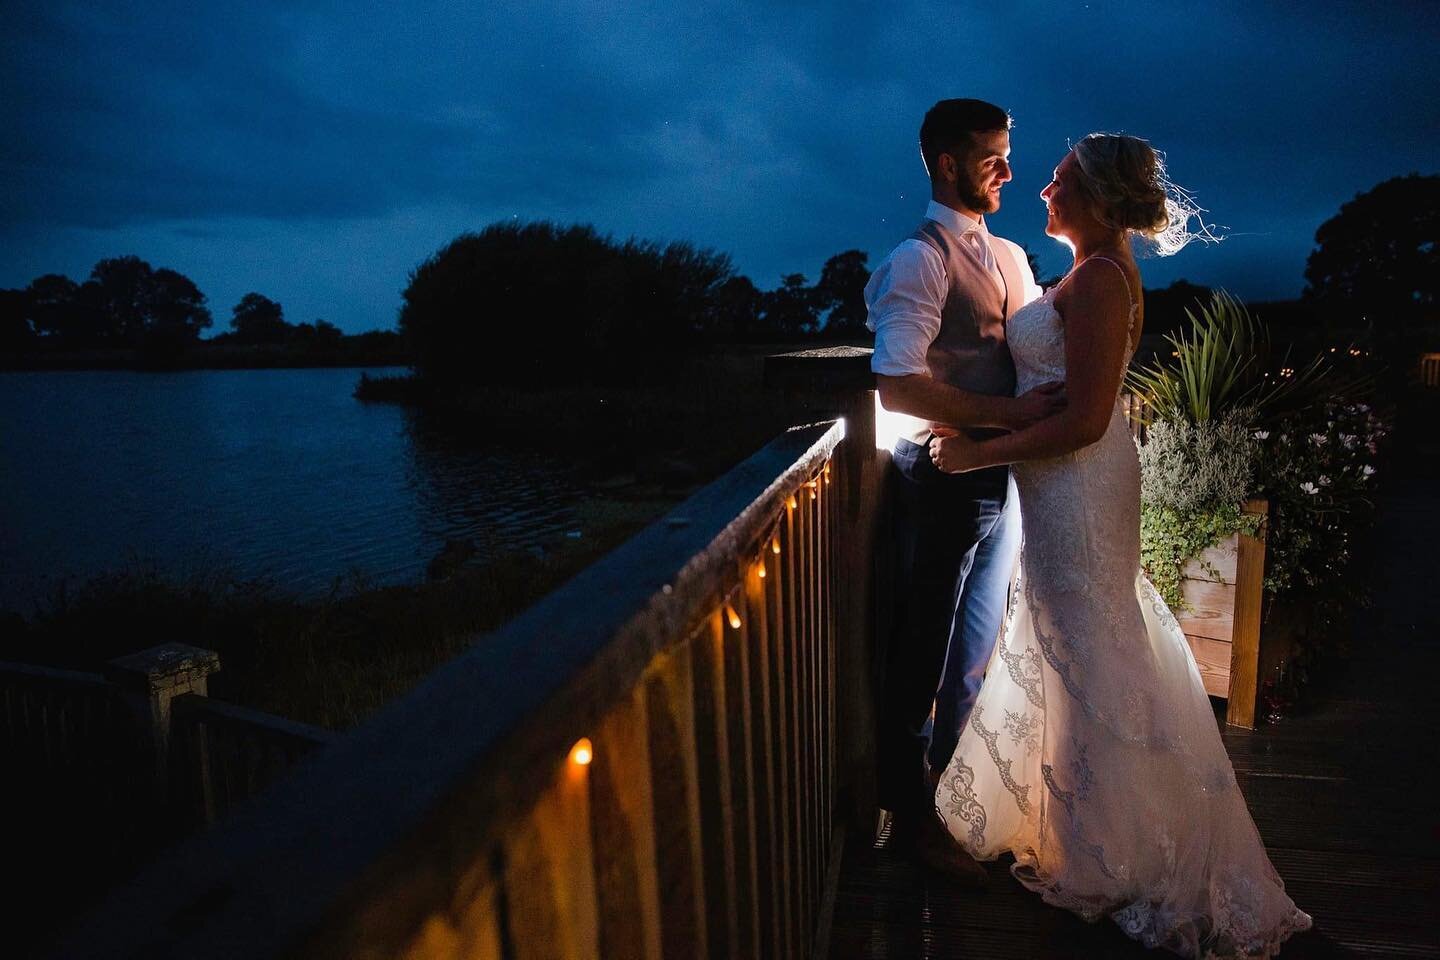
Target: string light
(760,569)
(775,544)
(732,616)
(792,503)
(582,753)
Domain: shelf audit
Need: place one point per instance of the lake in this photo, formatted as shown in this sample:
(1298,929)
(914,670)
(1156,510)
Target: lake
(262,473)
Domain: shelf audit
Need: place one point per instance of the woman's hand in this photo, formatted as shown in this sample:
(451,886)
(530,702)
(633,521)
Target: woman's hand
(956,453)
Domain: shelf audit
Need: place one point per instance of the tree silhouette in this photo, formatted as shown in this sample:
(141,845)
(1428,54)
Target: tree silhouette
(736,312)
(1377,257)
(841,291)
(177,311)
(126,302)
(258,319)
(790,310)
(16,331)
(1165,308)
(538,303)
(53,305)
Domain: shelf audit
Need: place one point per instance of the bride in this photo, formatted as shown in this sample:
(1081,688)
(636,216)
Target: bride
(1092,754)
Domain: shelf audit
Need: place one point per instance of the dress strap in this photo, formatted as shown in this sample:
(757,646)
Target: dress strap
(1129,295)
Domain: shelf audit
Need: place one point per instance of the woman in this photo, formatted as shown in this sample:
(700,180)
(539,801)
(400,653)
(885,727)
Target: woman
(1092,753)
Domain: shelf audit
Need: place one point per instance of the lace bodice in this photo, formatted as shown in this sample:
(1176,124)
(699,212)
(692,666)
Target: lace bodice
(1036,335)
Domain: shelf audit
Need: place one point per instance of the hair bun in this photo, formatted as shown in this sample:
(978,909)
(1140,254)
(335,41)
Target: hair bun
(1129,190)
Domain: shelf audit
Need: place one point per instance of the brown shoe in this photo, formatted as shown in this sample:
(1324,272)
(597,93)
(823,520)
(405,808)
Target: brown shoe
(925,840)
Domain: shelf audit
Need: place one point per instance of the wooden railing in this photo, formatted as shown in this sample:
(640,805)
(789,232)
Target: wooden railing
(657,760)
(102,770)
(221,754)
(64,735)
(1430,369)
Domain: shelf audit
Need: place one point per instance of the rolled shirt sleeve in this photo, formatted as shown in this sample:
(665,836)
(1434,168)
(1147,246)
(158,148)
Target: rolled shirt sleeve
(904,297)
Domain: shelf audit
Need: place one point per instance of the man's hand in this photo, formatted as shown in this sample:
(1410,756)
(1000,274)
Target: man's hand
(1037,404)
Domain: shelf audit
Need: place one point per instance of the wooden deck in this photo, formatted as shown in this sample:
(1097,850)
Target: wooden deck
(1344,795)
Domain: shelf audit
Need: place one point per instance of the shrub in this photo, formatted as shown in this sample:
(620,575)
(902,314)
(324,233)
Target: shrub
(1194,478)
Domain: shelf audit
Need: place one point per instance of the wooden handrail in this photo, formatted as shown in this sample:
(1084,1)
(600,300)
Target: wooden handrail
(452,822)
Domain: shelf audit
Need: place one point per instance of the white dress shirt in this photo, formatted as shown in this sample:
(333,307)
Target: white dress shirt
(907,291)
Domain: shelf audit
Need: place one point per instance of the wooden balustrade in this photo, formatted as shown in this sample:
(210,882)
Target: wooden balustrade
(62,730)
(1430,370)
(651,762)
(222,754)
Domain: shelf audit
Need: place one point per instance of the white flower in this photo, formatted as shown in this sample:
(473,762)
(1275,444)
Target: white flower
(1309,488)
(1324,480)
(1262,434)
(1367,470)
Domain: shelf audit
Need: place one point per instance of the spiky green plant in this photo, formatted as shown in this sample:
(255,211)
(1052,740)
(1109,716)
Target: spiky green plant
(1221,363)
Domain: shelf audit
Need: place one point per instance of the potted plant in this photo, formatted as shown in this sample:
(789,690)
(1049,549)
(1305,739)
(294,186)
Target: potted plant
(1254,470)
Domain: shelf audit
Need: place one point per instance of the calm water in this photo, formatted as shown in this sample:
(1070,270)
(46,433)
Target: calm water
(278,473)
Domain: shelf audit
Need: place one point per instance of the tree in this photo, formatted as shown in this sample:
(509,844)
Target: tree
(177,310)
(129,303)
(258,319)
(736,312)
(16,332)
(1165,308)
(119,289)
(790,310)
(1377,257)
(321,333)
(538,303)
(53,305)
(841,291)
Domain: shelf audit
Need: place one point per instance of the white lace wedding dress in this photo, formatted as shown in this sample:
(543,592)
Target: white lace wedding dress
(1092,753)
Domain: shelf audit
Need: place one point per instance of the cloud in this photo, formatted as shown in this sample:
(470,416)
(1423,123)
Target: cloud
(779,132)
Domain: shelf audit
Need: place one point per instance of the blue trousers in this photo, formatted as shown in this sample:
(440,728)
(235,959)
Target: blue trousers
(955,538)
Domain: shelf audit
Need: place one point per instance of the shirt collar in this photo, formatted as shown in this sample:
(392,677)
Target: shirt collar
(956,222)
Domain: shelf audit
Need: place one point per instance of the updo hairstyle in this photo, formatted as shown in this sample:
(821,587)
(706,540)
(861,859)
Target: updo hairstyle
(1124,178)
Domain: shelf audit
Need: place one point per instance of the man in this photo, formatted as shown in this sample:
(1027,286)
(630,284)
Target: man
(938,306)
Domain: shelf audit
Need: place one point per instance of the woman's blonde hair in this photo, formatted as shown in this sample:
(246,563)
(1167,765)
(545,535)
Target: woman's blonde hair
(1125,180)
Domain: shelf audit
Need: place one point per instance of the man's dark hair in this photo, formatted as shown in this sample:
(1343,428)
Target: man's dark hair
(949,127)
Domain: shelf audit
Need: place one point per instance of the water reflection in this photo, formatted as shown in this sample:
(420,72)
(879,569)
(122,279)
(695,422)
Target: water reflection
(277,473)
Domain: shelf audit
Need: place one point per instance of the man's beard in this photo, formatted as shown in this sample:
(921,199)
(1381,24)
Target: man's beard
(975,199)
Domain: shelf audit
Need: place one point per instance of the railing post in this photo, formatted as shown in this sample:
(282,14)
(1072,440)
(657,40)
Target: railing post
(149,681)
(840,380)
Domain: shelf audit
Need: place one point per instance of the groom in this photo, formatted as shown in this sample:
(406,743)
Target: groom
(938,306)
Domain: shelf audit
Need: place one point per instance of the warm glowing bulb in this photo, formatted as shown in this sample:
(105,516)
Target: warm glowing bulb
(775,545)
(760,570)
(582,753)
(791,503)
(732,616)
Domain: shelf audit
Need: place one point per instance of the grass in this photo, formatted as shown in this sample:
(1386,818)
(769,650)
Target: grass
(330,662)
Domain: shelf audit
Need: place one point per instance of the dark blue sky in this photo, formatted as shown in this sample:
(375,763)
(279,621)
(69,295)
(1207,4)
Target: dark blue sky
(316,152)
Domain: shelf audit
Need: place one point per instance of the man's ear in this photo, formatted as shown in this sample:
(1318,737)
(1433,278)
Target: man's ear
(948,168)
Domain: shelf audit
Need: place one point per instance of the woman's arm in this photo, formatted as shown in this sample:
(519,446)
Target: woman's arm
(1096,309)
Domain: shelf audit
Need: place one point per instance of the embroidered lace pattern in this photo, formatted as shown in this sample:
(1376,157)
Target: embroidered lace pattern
(1092,697)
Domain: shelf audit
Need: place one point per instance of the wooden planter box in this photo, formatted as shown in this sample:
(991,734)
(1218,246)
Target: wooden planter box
(1222,621)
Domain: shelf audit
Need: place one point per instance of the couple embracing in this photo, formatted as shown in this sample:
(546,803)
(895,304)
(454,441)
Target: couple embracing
(1048,707)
